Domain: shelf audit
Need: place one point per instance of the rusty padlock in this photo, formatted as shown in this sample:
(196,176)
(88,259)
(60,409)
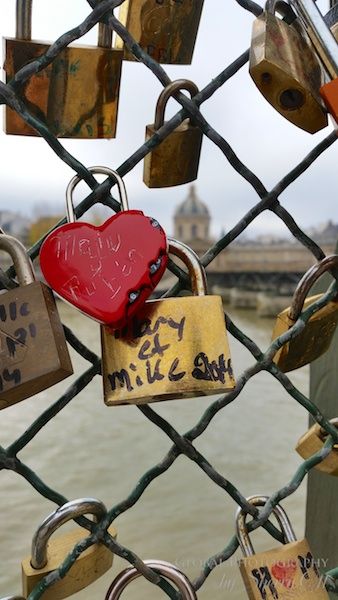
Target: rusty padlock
(162,567)
(175,161)
(88,567)
(289,571)
(167,351)
(285,67)
(313,441)
(316,337)
(165,29)
(33,347)
(76,95)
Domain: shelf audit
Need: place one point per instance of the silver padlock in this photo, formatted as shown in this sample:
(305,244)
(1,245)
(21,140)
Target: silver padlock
(163,568)
(326,48)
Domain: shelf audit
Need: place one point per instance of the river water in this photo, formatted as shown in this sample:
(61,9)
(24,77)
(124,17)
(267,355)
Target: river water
(92,450)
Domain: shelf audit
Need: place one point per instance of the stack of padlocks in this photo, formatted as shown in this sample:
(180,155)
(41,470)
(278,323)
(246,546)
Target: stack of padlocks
(108,272)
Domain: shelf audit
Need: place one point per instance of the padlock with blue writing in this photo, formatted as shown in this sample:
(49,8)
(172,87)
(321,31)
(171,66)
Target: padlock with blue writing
(46,556)
(33,347)
(76,95)
(172,348)
(106,271)
(165,29)
(286,572)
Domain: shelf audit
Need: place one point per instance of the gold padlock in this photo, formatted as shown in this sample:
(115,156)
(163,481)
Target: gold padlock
(289,571)
(175,161)
(33,347)
(285,67)
(313,441)
(76,95)
(166,352)
(316,337)
(88,567)
(165,29)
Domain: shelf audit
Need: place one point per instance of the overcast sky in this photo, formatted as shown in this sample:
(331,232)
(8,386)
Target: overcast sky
(32,174)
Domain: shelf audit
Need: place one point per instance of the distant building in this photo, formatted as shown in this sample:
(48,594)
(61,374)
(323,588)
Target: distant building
(14,224)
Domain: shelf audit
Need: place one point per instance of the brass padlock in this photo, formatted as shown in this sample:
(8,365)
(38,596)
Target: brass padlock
(289,571)
(76,95)
(162,567)
(313,441)
(88,567)
(175,161)
(165,29)
(285,67)
(316,337)
(33,347)
(167,352)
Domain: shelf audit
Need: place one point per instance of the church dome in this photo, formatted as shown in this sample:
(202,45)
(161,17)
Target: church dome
(192,206)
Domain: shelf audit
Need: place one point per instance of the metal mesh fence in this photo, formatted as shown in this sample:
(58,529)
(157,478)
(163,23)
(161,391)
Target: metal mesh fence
(268,200)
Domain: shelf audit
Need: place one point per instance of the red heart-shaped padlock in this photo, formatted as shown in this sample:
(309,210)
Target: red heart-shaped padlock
(109,271)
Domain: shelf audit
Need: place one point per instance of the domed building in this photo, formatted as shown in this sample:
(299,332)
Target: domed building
(192,223)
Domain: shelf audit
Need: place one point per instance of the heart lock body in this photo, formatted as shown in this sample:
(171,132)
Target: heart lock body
(173,348)
(181,149)
(46,556)
(76,95)
(165,29)
(285,67)
(326,47)
(33,348)
(288,571)
(317,334)
(167,570)
(313,441)
(108,271)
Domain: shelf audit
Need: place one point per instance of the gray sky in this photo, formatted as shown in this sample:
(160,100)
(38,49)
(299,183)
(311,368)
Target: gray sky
(31,173)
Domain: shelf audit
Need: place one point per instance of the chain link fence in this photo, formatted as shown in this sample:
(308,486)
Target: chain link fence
(268,200)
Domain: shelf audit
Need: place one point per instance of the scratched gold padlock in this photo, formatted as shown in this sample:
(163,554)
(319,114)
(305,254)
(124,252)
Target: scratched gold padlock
(76,95)
(175,161)
(172,348)
(33,347)
(316,337)
(165,29)
(313,441)
(46,557)
(286,572)
(285,67)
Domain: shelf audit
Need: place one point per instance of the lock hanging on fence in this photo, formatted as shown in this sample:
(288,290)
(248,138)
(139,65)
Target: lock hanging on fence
(173,348)
(34,353)
(165,569)
(77,95)
(313,441)
(175,161)
(285,67)
(108,271)
(165,29)
(326,48)
(88,567)
(316,337)
(289,571)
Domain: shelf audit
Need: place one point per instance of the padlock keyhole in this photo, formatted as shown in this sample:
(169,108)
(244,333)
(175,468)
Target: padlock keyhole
(291,99)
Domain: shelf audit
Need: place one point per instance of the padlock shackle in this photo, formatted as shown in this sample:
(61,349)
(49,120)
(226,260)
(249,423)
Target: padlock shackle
(323,434)
(307,281)
(22,263)
(283,8)
(167,92)
(199,286)
(319,33)
(63,514)
(165,569)
(104,171)
(241,530)
(24,25)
